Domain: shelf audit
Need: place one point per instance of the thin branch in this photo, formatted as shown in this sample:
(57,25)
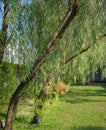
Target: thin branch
(79,53)
(46,88)
(104,35)
(82,51)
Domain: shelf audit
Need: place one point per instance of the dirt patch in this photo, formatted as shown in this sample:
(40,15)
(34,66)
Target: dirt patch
(102,108)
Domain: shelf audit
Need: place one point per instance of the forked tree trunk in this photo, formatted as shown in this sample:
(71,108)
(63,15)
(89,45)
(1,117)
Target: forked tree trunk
(15,98)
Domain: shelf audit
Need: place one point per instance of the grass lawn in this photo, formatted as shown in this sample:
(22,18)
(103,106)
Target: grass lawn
(82,108)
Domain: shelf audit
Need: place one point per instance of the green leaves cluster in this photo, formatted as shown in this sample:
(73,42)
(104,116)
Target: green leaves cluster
(10,76)
(8,80)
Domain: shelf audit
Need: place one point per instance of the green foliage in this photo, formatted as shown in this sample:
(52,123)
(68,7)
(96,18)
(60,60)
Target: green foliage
(85,30)
(8,80)
(31,27)
(44,101)
(10,76)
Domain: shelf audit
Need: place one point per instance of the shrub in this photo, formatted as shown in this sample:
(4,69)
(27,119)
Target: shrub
(61,88)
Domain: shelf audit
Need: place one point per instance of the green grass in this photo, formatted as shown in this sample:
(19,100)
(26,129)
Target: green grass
(82,108)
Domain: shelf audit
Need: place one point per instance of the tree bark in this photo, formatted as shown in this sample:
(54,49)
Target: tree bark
(3,38)
(38,63)
(1,53)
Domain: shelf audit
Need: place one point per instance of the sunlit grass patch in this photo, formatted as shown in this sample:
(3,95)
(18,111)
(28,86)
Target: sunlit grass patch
(82,108)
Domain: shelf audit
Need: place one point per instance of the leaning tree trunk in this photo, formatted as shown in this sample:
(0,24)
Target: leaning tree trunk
(12,108)
(38,63)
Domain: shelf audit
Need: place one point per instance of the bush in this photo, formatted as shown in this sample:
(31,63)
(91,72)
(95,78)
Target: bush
(8,80)
(61,88)
(10,76)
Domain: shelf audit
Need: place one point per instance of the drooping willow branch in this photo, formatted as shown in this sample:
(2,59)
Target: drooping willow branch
(82,51)
(74,56)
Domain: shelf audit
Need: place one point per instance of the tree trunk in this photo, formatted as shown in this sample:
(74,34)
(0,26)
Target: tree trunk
(38,63)
(11,113)
(1,53)
(3,38)
(12,108)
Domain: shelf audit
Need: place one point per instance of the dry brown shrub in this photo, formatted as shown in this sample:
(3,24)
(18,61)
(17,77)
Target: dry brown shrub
(61,88)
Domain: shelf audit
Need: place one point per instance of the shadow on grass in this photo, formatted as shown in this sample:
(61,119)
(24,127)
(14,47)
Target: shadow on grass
(89,128)
(82,95)
(103,86)
(21,119)
(87,92)
(76,100)
(3,115)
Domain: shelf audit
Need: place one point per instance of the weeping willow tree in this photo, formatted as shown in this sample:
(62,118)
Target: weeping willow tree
(81,51)
(37,27)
